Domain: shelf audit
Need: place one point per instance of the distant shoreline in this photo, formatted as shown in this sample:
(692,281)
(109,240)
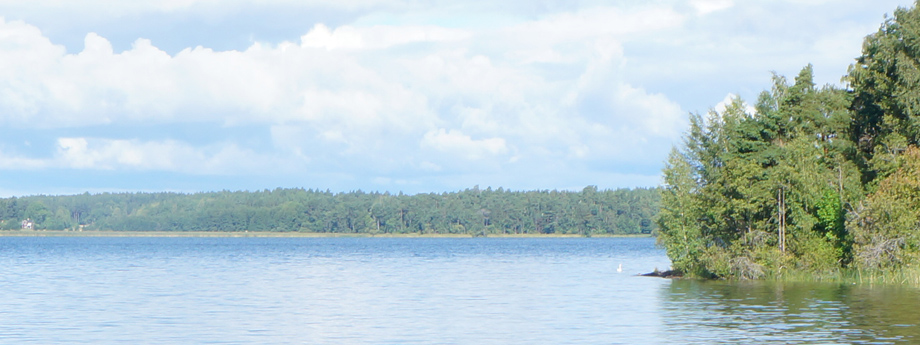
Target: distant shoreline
(70,233)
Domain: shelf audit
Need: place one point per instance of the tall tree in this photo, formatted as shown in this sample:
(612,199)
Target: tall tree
(756,181)
(886,82)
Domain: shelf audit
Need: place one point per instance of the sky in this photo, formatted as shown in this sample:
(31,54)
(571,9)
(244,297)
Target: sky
(410,96)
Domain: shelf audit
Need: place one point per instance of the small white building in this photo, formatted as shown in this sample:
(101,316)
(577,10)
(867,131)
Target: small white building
(28,224)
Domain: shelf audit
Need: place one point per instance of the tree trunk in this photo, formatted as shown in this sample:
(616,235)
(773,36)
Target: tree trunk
(781,208)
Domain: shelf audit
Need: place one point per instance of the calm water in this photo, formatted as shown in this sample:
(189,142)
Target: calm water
(411,291)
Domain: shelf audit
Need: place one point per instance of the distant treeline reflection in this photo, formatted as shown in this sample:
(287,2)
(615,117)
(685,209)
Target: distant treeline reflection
(473,211)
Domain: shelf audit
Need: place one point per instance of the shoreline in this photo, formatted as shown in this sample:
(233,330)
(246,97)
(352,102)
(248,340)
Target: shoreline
(99,233)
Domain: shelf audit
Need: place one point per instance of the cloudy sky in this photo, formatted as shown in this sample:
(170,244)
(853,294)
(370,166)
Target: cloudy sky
(386,95)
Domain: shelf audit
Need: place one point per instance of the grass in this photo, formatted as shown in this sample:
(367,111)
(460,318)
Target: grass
(909,277)
(906,277)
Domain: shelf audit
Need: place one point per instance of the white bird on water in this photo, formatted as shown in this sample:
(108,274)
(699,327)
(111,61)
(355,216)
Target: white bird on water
(620,268)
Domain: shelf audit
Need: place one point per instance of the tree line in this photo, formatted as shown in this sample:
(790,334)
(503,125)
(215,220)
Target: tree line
(472,211)
(814,179)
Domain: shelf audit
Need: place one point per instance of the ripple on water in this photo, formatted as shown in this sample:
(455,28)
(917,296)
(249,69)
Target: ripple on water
(701,312)
(410,291)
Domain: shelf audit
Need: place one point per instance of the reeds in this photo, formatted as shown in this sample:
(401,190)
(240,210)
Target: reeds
(905,277)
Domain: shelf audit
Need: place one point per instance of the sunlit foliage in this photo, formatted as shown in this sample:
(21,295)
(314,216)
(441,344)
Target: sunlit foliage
(813,179)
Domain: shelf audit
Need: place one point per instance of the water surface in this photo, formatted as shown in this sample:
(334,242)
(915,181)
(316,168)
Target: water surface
(410,291)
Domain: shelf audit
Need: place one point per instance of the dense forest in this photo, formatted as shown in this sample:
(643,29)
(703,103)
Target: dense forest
(814,179)
(473,211)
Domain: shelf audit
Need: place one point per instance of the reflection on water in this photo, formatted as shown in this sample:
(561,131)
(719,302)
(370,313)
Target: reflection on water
(701,312)
(412,291)
(337,291)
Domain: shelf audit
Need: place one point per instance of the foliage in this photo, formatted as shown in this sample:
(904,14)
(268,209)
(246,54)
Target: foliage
(812,180)
(886,107)
(473,211)
(747,181)
(887,227)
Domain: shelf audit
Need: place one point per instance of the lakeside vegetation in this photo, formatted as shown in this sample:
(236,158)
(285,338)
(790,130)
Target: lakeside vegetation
(852,275)
(472,212)
(820,182)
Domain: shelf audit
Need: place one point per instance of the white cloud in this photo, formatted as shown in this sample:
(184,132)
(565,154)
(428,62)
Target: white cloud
(378,37)
(729,98)
(383,98)
(163,155)
(15,162)
(420,92)
(597,21)
(456,143)
(704,7)
(134,7)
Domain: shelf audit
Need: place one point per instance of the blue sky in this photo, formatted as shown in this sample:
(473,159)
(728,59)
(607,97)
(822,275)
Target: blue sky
(386,95)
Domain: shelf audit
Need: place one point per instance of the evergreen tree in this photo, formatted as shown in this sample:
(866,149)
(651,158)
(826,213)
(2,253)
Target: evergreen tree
(885,81)
(754,186)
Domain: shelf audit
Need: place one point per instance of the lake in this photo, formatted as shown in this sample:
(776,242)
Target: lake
(129,290)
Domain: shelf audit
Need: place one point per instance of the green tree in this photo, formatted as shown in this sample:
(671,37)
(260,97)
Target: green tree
(680,232)
(756,181)
(38,213)
(886,107)
(887,228)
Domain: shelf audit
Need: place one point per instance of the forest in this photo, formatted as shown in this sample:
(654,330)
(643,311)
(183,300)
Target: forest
(477,212)
(814,179)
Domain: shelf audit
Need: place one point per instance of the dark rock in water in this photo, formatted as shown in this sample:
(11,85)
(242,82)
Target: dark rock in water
(664,274)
